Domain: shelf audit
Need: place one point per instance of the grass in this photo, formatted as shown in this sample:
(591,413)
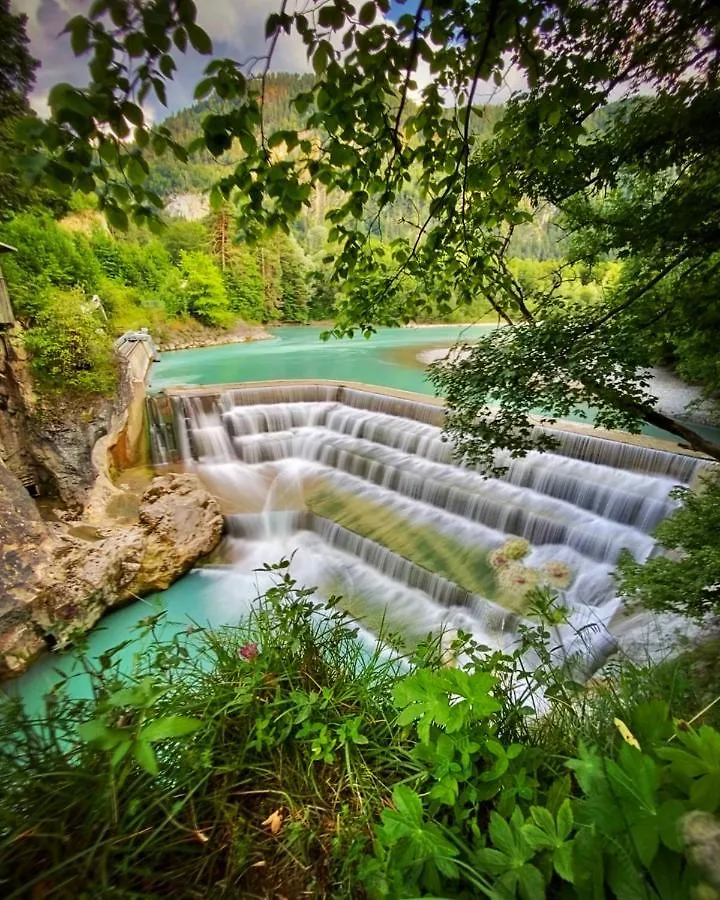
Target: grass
(273,794)
(282,758)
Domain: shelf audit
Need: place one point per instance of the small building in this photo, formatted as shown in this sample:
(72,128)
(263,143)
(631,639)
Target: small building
(7,318)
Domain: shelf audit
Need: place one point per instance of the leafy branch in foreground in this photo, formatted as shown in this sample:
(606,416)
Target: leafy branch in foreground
(636,178)
(687,580)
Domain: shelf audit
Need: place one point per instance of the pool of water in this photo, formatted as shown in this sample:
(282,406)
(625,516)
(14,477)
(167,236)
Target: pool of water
(206,597)
(296,352)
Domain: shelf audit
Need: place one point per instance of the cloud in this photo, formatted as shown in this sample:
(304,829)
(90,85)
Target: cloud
(237,28)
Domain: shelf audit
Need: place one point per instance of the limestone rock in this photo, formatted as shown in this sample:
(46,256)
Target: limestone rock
(23,558)
(81,580)
(182,523)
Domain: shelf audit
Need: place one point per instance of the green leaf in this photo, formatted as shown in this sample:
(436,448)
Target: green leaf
(180,39)
(204,88)
(135,171)
(121,751)
(367,13)
(543,819)
(646,838)
(145,756)
(108,152)
(199,39)
(135,44)
(564,819)
(133,113)
(331,17)
(408,804)
(532,883)
(537,838)
(248,142)
(669,815)
(97,733)
(170,727)
(273,24)
(491,860)
(79,28)
(563,861)
(705,793)
(320,58)
(624,876)
(501,834)
(143,694)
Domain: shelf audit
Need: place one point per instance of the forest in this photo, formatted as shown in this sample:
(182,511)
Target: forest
(206,270)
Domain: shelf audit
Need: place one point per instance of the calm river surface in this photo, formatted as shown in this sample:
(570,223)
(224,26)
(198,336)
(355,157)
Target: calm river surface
(387,359)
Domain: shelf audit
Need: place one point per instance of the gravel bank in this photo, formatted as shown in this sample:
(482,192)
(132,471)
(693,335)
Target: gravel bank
(673,394)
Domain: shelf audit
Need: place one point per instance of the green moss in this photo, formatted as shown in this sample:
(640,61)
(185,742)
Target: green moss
(465,565)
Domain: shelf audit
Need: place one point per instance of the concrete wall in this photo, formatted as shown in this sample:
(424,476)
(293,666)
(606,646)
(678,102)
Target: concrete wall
(130,445)
(125,444)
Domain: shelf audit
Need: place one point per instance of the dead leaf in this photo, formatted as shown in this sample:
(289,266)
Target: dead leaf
(274,821)
(626,734)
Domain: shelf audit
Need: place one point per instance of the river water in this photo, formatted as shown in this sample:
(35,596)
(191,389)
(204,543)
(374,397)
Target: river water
(296,352)
(362,489)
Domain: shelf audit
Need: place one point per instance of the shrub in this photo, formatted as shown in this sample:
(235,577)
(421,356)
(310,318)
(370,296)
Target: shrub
(688,582)
(204,290)
(247,761)
(283,757)
(69,345)
(46,256)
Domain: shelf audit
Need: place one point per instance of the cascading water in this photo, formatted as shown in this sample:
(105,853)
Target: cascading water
(362,488)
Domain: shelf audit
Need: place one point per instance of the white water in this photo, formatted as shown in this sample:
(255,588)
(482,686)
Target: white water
(260,450)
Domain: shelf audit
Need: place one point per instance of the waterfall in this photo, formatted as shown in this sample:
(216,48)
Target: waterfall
(363,488)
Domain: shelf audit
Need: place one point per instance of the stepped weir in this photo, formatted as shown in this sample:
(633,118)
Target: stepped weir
(363,489)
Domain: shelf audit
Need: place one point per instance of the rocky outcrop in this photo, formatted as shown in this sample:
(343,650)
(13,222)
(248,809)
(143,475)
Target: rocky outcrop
(25,555)
(71,583)
(46,442)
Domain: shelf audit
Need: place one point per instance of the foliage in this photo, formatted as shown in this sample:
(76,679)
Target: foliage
(241,762)
(139,263)
(70,346)
(283,756)
(180,235)
(17,77)
(203,290)
(686,580)
(244,284)
(47,257)
(635,179)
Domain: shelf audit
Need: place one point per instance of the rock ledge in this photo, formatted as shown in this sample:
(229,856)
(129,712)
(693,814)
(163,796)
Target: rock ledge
(76,582)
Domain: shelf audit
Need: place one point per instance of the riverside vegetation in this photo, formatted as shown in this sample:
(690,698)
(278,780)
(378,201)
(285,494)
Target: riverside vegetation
(282,757)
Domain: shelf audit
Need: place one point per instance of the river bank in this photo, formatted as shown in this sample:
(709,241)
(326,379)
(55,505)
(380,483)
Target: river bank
(676,398)
(191,335)
(84,545)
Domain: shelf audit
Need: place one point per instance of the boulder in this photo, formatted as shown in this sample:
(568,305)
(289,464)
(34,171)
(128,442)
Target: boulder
(182,522)
(179,523)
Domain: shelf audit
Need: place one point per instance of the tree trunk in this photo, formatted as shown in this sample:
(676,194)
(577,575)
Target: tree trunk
(653,416)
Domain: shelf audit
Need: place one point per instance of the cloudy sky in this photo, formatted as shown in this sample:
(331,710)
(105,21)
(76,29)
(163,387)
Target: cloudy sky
(237,28)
